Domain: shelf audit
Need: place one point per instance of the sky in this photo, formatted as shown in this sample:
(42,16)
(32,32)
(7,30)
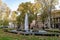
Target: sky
(58,6)
(13,4)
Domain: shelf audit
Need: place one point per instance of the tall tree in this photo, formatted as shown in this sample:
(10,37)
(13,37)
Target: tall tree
(37,7)
(13,18)
(24,9)
(29,8)
(47,6)
(4,12)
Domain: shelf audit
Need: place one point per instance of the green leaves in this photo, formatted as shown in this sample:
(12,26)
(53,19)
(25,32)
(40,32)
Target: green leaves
(5,22)
(23,9)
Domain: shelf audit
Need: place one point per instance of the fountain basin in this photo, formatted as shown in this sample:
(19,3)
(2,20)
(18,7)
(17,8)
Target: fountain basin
(38,33)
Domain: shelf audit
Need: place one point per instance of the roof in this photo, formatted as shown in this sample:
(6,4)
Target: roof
(56,13)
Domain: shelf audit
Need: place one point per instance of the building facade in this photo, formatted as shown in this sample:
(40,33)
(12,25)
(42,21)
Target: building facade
(55,19)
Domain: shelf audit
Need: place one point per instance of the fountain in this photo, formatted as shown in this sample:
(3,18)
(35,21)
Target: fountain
(26,22)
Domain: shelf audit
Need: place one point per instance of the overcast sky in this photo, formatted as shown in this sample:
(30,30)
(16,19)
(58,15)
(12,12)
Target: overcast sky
(13,4)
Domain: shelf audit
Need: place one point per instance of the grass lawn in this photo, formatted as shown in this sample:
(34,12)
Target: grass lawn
(11,36)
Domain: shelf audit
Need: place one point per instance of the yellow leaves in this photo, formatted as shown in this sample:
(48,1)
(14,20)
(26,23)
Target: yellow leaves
(14,15)
(4,11)
(0,2)
(21,8)
(31,7)
(46,0)
(37,5)
(24,7)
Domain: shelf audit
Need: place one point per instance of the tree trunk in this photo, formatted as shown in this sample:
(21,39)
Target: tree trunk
(18,26)
(36,23)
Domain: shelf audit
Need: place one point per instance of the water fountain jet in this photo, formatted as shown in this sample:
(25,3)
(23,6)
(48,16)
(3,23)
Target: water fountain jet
(26,22)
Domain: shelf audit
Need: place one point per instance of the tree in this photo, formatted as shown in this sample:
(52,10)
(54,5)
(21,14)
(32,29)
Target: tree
(4,13)
(37,7)
(1,22)
(47,6)
(24,9)
(29,8)
(5,23)
(13,18)
(43,18)
(6,17)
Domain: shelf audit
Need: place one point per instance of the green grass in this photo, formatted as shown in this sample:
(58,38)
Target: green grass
(11,36)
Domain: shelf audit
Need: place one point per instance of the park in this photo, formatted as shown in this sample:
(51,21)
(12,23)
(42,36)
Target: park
(30,20)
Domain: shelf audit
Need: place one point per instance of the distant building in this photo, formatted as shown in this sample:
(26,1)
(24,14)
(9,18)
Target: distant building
(55,19)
